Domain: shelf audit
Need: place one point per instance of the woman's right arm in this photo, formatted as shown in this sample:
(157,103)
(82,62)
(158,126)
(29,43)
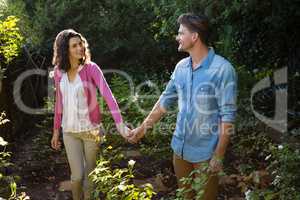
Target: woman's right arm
(57,109)
(55,143)
(109,98)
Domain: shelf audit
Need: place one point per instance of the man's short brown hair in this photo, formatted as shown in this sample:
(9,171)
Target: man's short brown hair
(196,23)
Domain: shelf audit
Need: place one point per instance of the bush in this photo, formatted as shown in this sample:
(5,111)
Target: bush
(283,167)
(8,186)
(197,184)
(10,40)
(117,183)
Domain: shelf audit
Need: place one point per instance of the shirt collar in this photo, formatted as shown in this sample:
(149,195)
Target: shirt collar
(206,61)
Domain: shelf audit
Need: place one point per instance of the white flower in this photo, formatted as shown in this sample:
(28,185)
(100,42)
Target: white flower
(131,162)
(135,98)
(3,142)
(51,74)
(149,83)
(255,70)
(280,147)
(122,187)
(276,180)
(268,157)
(3,121)
(248,194)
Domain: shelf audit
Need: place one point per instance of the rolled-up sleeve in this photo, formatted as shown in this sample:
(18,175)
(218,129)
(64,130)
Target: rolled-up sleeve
(227,94)
(169,96)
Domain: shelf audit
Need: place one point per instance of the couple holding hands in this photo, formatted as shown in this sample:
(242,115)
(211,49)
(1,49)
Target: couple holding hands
(203,86)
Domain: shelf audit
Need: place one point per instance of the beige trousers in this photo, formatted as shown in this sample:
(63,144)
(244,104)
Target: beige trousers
(82,150)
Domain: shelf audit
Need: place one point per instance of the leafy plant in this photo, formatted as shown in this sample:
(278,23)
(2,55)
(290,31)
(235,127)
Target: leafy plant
(197,180)
(10,39)
(284,164)
(117,183)
(7,182)
(10,43)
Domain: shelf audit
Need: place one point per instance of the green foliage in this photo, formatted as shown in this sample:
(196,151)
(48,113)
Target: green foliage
(253,147)
(284,164)
(140,33)
(10,43)
(197,184)
(17,8)
(114,29)
(117,183)
(156,144)
(285,168)
(251,33)
(10,40)
(8,186)
(7,182)
(134,101)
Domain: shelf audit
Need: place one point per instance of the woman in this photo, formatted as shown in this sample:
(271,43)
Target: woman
(76,108)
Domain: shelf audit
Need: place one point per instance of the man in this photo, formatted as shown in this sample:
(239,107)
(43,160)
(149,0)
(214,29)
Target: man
(204,85)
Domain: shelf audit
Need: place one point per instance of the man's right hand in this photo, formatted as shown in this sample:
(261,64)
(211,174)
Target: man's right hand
(124,131)
(156,113)
(55,143)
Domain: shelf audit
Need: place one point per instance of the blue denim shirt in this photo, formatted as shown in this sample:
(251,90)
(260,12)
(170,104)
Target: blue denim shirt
(206,96)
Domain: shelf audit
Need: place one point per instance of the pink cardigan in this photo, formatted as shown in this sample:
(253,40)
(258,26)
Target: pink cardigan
(91,77)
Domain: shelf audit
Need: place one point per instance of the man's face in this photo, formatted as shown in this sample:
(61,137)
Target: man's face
(185,38)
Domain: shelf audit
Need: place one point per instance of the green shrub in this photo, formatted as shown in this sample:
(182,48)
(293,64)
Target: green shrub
(197,184)
(8,185)
(10,40)
(117,183)
(284,169)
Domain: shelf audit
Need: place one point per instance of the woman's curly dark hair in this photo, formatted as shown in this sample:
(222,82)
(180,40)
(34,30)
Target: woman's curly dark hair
(61,49)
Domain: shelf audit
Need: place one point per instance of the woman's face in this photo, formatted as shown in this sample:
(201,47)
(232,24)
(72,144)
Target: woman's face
(76,48)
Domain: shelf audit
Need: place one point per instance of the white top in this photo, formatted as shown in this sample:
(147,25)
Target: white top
(75,117)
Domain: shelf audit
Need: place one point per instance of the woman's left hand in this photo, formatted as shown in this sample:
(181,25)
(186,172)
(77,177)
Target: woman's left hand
(124,131)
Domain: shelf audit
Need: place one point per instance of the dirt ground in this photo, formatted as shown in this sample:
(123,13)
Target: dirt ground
(45,173)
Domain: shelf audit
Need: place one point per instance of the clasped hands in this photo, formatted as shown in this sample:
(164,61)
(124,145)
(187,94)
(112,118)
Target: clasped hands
(132,136)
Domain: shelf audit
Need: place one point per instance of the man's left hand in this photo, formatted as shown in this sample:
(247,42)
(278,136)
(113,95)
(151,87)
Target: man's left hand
(216,164)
